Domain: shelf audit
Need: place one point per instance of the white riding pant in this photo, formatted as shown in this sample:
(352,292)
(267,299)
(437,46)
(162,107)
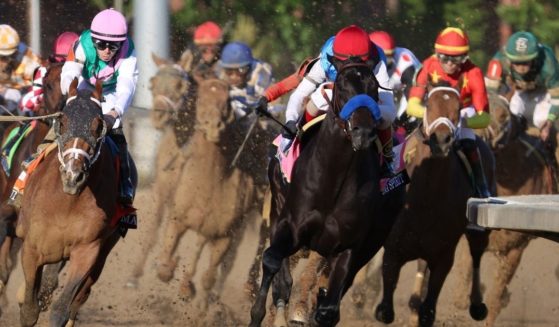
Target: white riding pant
(533,105)
(463,131)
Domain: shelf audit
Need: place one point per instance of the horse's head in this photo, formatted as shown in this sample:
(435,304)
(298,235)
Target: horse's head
(441,119)
(212,108)
(7,66)
(169,87)
(504,126)
(355,102)
(80,133)
(53,98)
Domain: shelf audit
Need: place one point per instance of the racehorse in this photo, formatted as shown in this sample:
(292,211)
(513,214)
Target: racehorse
(521,168)
(68,208)
(434,216)
(173,114)
(209,199)
(334,204)
(53,101)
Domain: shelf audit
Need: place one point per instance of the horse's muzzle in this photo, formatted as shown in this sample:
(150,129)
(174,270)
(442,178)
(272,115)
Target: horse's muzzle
(73,180)
(361,138)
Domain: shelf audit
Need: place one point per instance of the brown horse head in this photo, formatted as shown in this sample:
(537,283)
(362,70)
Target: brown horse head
(7,66)
(504,127)
(212,110)
(80,131)
(169,88)
(355,100)
(53,98)
(441,119)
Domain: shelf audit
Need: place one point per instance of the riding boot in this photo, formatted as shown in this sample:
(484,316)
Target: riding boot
(470,149)
(385,138)
(126,186)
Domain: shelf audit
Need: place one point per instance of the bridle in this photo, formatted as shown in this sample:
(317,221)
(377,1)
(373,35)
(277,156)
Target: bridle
(429,127)
(74,152)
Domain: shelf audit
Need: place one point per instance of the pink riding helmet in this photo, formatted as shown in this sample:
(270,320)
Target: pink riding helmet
(63,44)
(109,25)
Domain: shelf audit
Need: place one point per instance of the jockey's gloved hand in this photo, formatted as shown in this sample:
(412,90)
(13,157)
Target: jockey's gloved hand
(110,120)
(290,130)
(261,108)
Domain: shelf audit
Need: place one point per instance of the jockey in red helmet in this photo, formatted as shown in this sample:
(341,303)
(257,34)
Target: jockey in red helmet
(451,64)
(200,57)
(349,42)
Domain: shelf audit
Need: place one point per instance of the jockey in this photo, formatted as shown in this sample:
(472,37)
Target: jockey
(401,66)
(247,77)
(531,70)
(31,101)
(106,52)
(200,58)
(348,42)
(17,64)
(451,65)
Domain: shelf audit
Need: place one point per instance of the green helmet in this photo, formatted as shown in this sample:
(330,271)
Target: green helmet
(521,46)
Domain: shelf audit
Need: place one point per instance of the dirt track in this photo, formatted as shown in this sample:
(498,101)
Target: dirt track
(534,290)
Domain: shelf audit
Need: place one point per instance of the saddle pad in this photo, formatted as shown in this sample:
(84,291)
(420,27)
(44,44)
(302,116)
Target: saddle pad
(12,142)
(287,160)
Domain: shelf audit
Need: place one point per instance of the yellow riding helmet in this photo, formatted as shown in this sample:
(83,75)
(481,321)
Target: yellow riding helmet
(9,40)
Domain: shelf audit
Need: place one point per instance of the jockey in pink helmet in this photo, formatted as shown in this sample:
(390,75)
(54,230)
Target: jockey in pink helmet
(31,101)
(105,52)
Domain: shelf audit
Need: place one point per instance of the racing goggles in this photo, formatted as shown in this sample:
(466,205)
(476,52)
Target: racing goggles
(453,59)
(102,45)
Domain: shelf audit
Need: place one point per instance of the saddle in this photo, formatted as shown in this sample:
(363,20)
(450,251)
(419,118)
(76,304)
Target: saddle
(12,142)
(287,160)
(124,215)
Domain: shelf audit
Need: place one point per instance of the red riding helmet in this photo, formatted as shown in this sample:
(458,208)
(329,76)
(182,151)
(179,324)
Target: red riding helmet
(62,45)
(352,41)
(384,40)
(452,41)
(207,33)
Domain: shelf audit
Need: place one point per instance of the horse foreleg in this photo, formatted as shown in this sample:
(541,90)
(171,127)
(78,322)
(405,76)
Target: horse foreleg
(253,273)
(498,297)
(187,290)
(306,285)
(282,246)
(29,313)
(49,283)
(478,242)
(419,288)
(367,281)
(82,260)
(91,277)
(5,262)
(391,265)
(438,273)
(167,264)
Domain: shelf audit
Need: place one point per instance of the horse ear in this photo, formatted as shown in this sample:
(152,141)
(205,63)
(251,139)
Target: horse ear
(98,93)
(73,90)
(158,60)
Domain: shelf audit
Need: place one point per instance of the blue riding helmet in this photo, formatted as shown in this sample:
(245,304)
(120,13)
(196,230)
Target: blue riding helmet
(236,55)
(327,51)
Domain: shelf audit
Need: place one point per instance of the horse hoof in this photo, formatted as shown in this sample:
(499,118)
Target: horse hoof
(299,317)
(478,312)
(326,316)
(166,271)
(426,317)
(384,314)
(187,292)
(414,303)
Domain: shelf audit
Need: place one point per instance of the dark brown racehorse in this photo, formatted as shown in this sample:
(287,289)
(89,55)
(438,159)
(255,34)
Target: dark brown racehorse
(521,168)
(434,217)
(334,204)
(53,101)
(67,208)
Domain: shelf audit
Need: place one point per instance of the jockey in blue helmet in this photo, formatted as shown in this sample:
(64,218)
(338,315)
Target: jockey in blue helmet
(247,77)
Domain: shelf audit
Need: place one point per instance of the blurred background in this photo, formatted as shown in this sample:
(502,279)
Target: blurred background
(281,32)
